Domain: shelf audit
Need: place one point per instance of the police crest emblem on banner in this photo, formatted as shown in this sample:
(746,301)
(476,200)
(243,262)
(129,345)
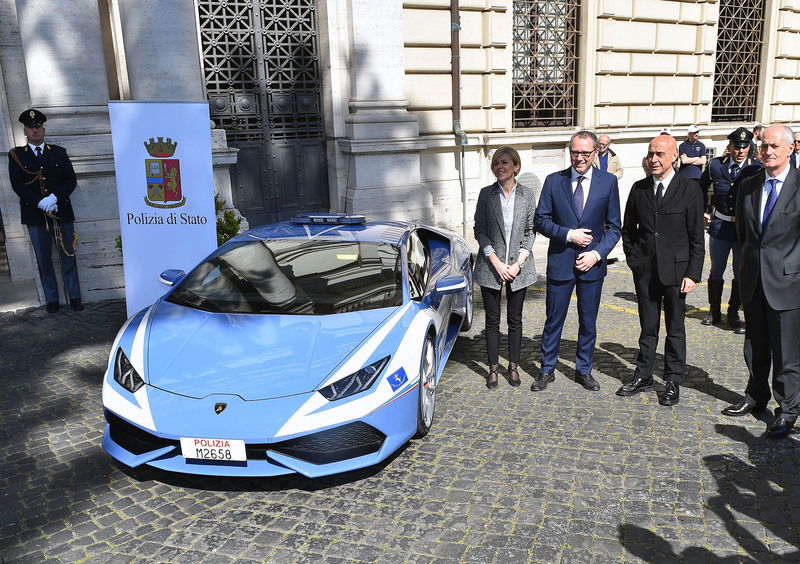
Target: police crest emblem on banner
(163,175)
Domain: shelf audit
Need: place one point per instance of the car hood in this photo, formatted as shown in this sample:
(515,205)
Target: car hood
(255,356)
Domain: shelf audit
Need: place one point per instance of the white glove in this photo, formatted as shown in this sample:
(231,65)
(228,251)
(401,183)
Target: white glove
(47,201)
(52,208)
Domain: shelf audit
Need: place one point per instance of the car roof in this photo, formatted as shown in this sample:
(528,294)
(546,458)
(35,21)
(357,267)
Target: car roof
(391,232)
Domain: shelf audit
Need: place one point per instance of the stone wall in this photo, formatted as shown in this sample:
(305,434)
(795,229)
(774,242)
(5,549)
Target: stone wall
(645,65)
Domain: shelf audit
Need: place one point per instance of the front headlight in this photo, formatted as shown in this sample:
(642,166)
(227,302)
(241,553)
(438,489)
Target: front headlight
(355,382)
(125,374)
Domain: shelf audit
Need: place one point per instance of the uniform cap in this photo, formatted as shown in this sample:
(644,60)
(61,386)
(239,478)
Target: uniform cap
(31,118)
(693,129)
(740,137)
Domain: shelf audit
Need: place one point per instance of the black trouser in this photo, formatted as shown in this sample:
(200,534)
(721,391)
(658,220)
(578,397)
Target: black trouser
(491,305)
(651,294)
(772,340)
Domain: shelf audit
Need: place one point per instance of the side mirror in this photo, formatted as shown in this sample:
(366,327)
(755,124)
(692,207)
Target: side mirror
(451,284)
(171,276)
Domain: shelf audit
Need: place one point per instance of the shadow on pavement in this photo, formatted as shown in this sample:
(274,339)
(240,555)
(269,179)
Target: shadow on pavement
(762,491)
(695,378)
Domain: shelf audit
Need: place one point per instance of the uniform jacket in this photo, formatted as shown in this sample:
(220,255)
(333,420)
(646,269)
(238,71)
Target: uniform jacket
(59,179)
(669,236)
(723,193)
(614,164)
(489,230)
(774,255)
(556,215)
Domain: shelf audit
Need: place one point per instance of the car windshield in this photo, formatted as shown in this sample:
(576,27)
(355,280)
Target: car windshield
(299,277)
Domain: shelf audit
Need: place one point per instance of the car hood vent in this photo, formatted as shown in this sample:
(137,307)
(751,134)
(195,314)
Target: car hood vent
(196,353)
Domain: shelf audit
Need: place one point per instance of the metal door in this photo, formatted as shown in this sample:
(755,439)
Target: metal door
(261,68)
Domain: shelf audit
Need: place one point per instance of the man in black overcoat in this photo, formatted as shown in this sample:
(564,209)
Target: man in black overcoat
(663,240)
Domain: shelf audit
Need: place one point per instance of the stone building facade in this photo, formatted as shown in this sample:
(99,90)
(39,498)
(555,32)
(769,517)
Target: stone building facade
(352,105)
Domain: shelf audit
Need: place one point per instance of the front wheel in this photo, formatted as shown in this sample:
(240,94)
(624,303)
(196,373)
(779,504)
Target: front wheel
(427,389)
(469,298)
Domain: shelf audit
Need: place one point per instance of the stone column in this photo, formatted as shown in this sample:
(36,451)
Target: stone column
(163,61)
(161,50)
(63,51)
(382,137)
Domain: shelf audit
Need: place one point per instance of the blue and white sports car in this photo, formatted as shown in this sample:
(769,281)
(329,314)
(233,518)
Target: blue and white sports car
(312,346)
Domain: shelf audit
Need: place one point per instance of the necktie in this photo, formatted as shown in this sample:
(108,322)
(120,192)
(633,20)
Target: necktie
(578,197)
(734,171)
(773,195)
(659,193)
(39,153)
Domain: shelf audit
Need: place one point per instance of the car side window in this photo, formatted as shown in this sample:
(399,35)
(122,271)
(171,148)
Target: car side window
(418,266)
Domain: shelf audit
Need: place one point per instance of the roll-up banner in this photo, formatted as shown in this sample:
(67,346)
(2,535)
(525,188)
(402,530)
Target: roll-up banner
(165,191)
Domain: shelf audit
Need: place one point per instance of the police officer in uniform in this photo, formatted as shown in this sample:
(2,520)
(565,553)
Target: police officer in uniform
(722,175)
(42,176)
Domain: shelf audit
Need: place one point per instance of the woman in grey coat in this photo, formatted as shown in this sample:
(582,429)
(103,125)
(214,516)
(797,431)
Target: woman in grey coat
(504,231)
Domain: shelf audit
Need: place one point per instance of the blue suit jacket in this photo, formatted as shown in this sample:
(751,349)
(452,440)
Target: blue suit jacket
(556,215)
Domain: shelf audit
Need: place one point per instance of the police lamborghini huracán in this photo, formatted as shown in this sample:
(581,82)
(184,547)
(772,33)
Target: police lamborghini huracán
(312,346)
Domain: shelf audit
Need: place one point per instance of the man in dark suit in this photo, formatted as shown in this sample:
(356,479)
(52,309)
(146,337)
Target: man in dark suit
(662,236)
(579,212)
(42,176)
(722,176)
(768,223)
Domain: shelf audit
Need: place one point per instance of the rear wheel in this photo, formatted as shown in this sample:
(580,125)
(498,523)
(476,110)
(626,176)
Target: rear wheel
(427,388)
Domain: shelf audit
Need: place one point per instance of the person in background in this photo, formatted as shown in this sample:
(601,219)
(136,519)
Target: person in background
(721,175)
(605,159)
(692,155)
(755,144)
(794,160)
(505,234)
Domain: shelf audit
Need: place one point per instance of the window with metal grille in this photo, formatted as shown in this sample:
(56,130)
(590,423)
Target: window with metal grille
(261,67)
(545,63)
(739,38)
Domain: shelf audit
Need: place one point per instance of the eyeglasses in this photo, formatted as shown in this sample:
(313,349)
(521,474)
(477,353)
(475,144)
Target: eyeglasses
(602,144)
(584,154)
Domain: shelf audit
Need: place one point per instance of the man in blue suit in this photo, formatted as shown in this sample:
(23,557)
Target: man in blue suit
(579,212)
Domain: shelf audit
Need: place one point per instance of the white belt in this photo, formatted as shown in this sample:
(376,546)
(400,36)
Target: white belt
(724,217)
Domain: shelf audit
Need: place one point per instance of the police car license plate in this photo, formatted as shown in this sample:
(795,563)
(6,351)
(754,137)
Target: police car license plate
(223,450)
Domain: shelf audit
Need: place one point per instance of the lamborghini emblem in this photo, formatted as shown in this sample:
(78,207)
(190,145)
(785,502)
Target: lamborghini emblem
(219,407)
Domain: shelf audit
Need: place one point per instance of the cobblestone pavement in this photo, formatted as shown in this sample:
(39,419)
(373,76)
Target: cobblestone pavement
(507,475)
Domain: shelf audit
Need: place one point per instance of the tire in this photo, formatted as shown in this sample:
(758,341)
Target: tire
(469,309)
(427,388)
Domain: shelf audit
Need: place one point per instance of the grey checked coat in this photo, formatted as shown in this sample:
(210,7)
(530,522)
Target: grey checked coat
(489,230)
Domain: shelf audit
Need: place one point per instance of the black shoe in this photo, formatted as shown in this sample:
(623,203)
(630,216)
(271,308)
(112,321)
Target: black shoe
(780,427)
(491,379)
(540,382)
(671,395)
(587,381)
(513,374)
(52,307)
(76,304)
(638,385)
(737,325)
(741,408)
(712,319)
